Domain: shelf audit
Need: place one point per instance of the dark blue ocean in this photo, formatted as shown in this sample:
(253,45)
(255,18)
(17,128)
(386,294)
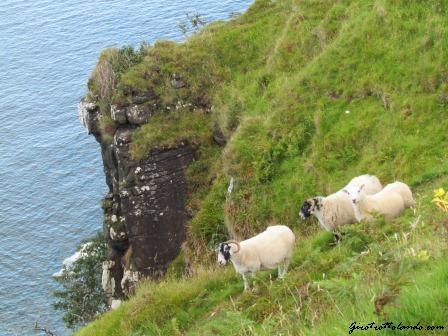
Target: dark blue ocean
(51,178)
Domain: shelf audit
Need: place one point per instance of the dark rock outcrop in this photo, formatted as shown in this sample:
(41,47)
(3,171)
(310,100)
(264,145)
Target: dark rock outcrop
(89,116)
(118,114)
(144,211)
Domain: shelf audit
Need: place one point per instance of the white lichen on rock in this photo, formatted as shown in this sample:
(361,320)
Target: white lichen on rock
(116,235)
(118,114)
(107,282)
(84,107)
(115,304)
(129,280)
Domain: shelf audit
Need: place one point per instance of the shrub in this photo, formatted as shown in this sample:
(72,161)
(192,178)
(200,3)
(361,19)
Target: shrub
(112,63)
(81,297)
(194,22)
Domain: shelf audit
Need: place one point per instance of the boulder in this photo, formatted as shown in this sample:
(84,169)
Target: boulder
(89,115)
(139,114)
(118,114)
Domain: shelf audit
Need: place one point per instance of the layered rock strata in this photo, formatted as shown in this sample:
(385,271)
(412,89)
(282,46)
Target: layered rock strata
(144,210)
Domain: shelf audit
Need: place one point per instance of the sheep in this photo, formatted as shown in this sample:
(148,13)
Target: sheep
(336,209)
(404,190)
(388,202)
(371,184)
(270,249)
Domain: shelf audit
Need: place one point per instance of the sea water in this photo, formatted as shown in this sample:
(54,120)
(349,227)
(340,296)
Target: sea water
(51,177)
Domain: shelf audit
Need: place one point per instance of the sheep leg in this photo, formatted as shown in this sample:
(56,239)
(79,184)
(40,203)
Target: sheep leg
(337,237)
(281,270)
(253,279)
(246,284)
(284,268)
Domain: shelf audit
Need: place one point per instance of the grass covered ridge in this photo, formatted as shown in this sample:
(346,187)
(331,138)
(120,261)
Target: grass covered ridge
(309,95)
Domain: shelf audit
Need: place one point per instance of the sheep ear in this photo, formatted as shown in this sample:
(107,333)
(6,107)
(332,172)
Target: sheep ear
(317,203)
(345,191)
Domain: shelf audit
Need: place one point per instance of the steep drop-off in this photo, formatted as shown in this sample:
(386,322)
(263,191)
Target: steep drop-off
(144,211)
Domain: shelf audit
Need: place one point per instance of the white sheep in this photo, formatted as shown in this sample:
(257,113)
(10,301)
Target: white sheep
(404,190)
(270,249)
(336,209)
(389,202)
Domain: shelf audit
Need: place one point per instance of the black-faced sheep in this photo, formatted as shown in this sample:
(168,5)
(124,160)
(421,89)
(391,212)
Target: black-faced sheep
(270,249)
(336,209)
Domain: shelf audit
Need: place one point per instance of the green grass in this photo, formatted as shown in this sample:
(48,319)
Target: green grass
(171,129)
(327,288)
(279,80)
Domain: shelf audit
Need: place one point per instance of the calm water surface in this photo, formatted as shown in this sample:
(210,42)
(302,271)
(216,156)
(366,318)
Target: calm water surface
(51,178)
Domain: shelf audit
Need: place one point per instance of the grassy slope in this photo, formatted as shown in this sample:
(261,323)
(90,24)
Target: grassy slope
(280,79)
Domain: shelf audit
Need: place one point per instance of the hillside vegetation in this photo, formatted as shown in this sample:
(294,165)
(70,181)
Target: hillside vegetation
(308,94)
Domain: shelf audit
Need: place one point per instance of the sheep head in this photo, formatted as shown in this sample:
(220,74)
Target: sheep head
(309,207)
(225,251)
(356,196)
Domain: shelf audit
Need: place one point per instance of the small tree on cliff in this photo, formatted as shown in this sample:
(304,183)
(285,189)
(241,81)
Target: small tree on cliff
(82,297)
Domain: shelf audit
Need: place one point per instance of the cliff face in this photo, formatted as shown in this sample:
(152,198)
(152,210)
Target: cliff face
(144,210)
